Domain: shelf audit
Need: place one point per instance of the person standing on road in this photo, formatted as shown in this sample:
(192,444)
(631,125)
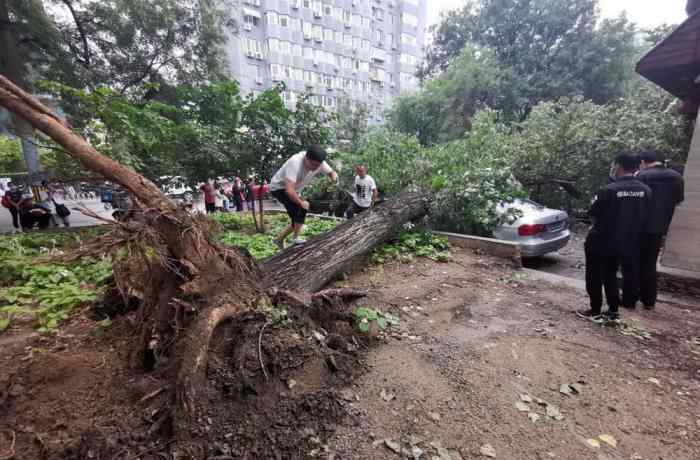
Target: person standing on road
(250,194)
(287,184)
(209,197)
(11,200)
(236,194)
(667,192)
(619,213)
(365,193)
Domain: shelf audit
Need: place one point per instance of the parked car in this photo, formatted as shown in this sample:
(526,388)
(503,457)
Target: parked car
(537,229)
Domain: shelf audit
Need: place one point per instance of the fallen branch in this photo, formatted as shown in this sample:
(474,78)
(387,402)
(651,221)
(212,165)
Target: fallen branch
(151,395)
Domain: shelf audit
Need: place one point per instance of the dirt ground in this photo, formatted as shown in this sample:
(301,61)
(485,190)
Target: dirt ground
(474,369)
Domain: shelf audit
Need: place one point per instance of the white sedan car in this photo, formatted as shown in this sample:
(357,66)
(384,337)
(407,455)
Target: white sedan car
(537,229)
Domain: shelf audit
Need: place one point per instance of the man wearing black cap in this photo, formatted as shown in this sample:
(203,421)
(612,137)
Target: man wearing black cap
(287,184)
(667,192)
(619,213)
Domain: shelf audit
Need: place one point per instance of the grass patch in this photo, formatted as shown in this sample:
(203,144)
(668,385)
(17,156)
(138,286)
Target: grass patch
(33,287)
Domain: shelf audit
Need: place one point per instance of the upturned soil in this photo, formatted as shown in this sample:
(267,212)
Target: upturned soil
(475,337)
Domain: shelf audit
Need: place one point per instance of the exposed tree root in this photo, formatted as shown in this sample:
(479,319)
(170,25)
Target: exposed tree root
(199,299)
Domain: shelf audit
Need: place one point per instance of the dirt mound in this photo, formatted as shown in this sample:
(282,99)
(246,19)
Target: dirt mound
(73,396)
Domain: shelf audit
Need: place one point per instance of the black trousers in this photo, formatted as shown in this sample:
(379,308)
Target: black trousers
(601,274)
(15,217)
(648,258)
(355,209)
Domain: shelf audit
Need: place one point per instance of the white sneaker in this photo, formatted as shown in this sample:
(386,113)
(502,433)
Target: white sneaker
(297,241)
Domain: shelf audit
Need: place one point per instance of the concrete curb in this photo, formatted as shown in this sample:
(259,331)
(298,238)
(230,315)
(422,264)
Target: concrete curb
(498,248)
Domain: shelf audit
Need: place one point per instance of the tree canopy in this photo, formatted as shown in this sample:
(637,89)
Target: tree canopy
(549,48)
(119,43)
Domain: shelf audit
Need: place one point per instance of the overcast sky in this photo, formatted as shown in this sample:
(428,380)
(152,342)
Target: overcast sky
(646,13)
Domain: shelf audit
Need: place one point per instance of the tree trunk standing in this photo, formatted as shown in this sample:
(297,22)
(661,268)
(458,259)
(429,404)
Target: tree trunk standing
(261,213)
(310,266)
(11,65)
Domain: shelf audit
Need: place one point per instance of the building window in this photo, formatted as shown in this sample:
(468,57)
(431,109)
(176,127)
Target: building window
(284,21)
(328,35)
(356,20)
(295,23)
(275,72)
(379,54)
(296,50)
(347,40)
(251,18)
(366,23)
(307,28)
(317,8)
(408,39)
(409,19)
(318,33)
(273,45)
(308,53)
(272,18)
(408,59)
(328,10)
(306,3)
(377,14)
(366,45)
(378,35)
(285,48)
(253,48)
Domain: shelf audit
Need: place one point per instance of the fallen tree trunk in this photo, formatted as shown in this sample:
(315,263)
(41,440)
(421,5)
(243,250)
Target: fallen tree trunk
(311,266)
(191,285)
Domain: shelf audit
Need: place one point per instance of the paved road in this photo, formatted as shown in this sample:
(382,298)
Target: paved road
(79,219)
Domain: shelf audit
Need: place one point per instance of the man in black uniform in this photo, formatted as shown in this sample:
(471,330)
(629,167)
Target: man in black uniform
(619,213)
(667,192)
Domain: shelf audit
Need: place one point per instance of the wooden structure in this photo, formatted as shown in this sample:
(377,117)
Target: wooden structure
(674,64)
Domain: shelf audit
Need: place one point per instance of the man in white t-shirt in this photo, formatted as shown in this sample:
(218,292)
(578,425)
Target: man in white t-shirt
(365,193)
(287,184)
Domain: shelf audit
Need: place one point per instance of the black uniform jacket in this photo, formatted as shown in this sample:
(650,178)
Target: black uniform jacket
(667,192)
(619,211)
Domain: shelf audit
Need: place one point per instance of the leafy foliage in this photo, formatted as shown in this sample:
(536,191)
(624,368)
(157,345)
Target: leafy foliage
(45,290)
(411,244)
(549,48)
(206,131)
(238,230)
(121,43)
(443,110)
(396,161)
(367,317)
(576,140)
(10,155)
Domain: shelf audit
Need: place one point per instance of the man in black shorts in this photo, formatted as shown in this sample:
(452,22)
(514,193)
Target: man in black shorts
(287,184)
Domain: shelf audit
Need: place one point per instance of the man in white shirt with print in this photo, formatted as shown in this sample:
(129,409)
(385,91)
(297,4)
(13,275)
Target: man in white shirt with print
(365,193)
(286,186)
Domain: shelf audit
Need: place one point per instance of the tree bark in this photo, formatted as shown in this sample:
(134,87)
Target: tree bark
(311,266)
(11,64)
